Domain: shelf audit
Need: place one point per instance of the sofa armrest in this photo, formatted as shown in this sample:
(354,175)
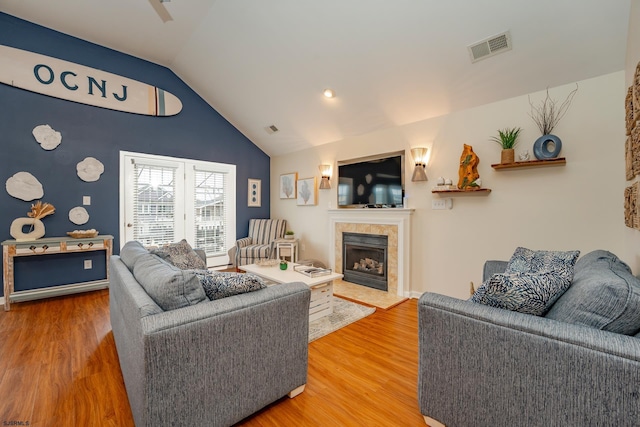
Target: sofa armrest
(202,254)
(244,242)
(481,365)
(492,267)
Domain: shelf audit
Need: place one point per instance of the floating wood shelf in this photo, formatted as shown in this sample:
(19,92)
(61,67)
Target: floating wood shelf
(559,161)
(468,191)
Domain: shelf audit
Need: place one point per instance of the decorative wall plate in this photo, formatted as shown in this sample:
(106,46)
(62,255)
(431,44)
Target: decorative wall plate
(24,186)
(47,137)
(78,215)
(90,169)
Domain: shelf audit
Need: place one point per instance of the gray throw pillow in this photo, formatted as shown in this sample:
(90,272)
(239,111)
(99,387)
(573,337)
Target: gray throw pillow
(180,254)
(218,285)
(169,286)
(532,282)
(604,295)
(130,253)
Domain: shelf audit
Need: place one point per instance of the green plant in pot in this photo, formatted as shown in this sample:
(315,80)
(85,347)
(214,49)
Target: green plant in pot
(507,139)
(289,234)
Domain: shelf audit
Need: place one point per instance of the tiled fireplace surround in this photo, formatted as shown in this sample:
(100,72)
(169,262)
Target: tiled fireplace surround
(393,222)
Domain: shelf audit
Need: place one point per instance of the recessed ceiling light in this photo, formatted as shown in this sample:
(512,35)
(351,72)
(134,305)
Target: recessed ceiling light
(329,93)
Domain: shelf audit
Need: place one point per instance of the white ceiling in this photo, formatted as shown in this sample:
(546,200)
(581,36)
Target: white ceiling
(391,62)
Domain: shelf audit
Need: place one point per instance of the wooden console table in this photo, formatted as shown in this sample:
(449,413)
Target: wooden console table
(51,245)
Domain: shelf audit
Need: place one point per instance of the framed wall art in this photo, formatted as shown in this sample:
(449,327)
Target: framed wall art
(288,185)
(254,194)
(307,192)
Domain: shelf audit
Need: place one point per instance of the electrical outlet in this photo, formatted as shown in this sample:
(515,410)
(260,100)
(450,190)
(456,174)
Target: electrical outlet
(442,203)
(88,265)
(86,200)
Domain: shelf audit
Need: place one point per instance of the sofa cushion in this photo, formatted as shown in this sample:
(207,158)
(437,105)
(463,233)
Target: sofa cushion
(530,293)
(531,283)
(604,295)
(221,285)
(180,254)
(526,260)
(169,286)
(130,253)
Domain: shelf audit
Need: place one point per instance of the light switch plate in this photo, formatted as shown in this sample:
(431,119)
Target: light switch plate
(442,203)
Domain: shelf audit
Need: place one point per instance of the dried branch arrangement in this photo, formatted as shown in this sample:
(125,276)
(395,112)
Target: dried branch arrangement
(40,210)
(548,113)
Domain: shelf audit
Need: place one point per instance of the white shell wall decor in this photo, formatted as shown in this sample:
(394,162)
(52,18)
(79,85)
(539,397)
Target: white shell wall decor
(24,186)
(90,169)
(47,137)
(78,215)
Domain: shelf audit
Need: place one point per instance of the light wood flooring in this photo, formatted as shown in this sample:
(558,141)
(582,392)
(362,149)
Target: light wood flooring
(59,367)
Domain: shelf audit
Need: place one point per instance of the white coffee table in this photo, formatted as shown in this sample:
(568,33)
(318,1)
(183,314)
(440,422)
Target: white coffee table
(321,287)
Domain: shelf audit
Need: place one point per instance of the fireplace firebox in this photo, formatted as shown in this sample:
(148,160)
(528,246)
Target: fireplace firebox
(364,259)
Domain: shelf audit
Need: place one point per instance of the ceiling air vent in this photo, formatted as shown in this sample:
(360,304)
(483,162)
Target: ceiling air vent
(489,47)
(271,129)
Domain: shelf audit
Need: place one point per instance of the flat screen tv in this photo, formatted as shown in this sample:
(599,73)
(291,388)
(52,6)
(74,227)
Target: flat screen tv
(375,181)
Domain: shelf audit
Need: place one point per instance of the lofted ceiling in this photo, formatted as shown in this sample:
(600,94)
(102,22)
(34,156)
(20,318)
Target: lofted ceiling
(390,62)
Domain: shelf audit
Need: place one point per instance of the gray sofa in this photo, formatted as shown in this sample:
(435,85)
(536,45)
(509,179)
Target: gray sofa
(207,363)
(485,366)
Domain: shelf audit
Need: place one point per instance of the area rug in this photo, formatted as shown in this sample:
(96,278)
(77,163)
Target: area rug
(344,313)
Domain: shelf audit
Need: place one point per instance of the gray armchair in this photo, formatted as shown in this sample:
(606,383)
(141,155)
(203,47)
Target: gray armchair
(260,243)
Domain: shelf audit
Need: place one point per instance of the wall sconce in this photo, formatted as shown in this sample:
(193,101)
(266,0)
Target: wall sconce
(420,158)
(325,172)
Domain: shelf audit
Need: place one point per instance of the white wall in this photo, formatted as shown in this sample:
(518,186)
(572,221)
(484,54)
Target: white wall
(632,237)
(577,206)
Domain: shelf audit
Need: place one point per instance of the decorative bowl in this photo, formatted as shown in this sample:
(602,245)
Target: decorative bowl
(82,234)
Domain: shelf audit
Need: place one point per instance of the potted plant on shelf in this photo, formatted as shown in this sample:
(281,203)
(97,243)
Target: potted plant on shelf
(507,139)
(289,234)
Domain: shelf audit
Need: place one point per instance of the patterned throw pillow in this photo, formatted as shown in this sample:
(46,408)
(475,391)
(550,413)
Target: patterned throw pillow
(219,285)
(530,293)
(181,255)
(531,283)
(526,260)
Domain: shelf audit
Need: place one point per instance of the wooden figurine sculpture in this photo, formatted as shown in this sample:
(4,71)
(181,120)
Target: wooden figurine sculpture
(468,172)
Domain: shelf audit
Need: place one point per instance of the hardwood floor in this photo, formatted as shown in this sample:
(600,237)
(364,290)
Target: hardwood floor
(59,367)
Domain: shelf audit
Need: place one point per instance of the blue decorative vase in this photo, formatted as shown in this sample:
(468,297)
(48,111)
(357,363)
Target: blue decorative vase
(541,148)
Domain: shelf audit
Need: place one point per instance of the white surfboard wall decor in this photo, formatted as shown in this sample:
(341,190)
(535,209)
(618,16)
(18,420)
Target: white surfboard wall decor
(73,82)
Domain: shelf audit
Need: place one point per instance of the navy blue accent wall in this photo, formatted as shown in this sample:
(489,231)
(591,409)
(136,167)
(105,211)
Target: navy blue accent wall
(197,132)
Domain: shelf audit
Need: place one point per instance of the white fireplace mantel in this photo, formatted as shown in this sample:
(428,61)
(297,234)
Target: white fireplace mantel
(383,216)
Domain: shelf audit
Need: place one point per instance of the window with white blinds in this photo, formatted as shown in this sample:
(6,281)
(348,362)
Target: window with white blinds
(154,196)
(167,199)
(211,210)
